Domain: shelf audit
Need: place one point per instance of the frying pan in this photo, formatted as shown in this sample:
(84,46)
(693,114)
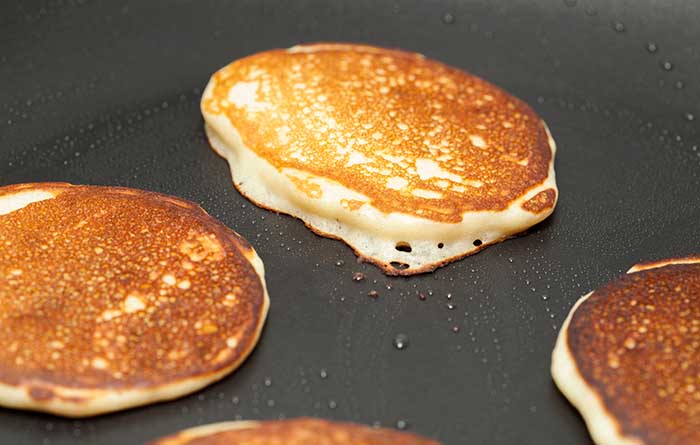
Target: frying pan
(107,92)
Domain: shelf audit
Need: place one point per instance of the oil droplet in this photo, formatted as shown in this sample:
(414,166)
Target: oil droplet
(630,343)
(689,117)
(652,48)
(667,65)
(332,404)
(421,296)
(271,403)
(448,18)
(401,424)
(618,26)
(449,296)
(455,329)
(323,374)
(339,263)
(373,294)
(358,276)
(235,400)
(268,382)
(679,85)
(450,306)
(401,341)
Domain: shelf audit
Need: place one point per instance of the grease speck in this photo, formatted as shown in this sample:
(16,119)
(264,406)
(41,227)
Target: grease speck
(401,341)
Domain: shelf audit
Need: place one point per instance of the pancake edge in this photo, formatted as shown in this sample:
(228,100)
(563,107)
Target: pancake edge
(489,227)
(183,436)
(661,263)
(602,425)
(91,401)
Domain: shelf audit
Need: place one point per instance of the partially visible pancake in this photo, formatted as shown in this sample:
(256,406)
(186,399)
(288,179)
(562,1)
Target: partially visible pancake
(411,162)
(113,297)
(301,431)
(628,356)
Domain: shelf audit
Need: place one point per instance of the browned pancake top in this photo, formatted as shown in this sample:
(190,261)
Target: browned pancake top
(110,287)
(636,341)
(306,431)
(412,134)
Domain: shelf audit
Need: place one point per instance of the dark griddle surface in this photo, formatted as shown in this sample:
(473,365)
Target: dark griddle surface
(107,92)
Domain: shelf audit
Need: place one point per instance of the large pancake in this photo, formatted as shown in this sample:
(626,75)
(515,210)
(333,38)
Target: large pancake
(301,431)
(113,297)
(628,356)
(409,161)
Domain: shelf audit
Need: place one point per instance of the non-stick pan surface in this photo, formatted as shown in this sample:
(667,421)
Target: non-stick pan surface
(107,92)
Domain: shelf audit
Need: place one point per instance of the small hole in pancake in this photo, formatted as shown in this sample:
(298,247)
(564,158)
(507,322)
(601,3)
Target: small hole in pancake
(440,245)
(477,242)
(399,266)
(403,246)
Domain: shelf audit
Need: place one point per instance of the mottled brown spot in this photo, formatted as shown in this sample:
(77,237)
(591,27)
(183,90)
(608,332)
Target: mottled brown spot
(351,204)
(83,317)
(636,341)
(309,188)
(302,431)
(204,246)
(542,201)
(359,115)
(40,394)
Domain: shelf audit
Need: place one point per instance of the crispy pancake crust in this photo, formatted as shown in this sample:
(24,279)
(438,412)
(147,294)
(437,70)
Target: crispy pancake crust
(627,356)
(301,431)
(113,297)
(382,148)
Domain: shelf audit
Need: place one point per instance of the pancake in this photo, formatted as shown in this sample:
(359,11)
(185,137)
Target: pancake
(301,431)
(113,297)
(628,356)
(409,161)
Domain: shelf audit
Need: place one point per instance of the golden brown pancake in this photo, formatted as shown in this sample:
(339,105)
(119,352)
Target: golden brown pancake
(301,431)
(113,297)
(408,160)
(628,356)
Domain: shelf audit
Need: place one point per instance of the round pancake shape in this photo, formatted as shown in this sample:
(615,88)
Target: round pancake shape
(411,162)
(300,431)
(628,356)
(113,297)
